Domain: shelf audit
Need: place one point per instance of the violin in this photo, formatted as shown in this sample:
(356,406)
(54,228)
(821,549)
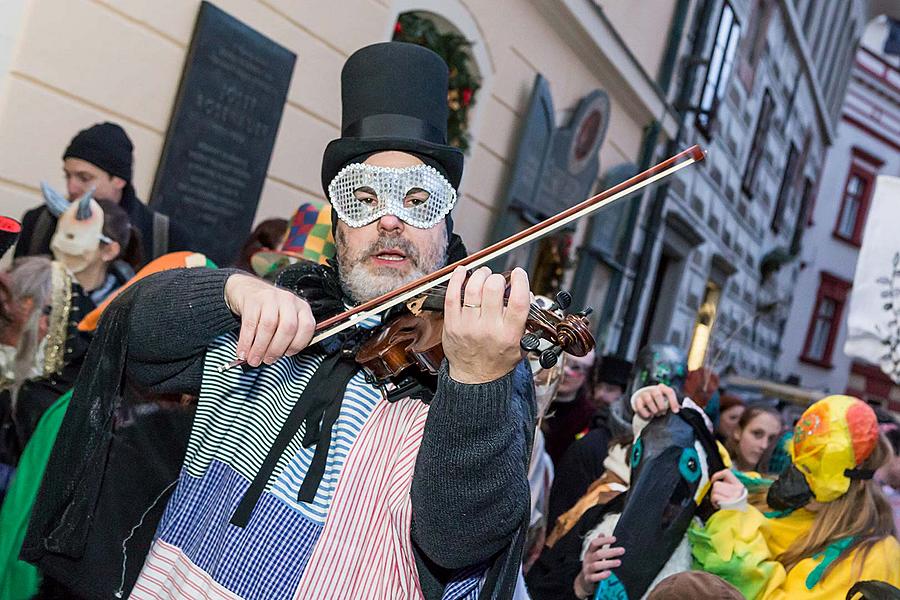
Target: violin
(413,339)
(564,335)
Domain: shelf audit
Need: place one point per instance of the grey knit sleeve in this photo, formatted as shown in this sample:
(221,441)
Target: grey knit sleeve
(176,314)
(470,487)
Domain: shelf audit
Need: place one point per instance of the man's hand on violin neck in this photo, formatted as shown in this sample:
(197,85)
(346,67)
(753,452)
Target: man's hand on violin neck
(274,322)
(481,335)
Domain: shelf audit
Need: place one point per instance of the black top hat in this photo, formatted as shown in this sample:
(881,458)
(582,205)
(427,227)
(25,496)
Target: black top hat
(614,370)
(394,97)
(9,233)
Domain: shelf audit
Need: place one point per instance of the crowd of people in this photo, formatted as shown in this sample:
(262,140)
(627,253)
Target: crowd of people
(169,431)
(759,443)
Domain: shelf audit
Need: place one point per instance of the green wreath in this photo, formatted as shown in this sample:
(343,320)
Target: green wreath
(454,49)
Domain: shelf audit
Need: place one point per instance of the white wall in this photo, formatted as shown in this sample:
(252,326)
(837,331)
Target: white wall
(83,61)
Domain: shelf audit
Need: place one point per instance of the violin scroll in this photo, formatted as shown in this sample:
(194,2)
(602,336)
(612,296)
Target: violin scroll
(565,332)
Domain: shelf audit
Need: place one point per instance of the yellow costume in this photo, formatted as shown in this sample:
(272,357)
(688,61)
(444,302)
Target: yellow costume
(832,438)
(741,548)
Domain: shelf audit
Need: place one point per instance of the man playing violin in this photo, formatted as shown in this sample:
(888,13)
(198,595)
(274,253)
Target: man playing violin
(303,478)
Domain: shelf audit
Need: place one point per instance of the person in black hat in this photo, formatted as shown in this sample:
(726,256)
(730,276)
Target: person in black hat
(101,157)
(610,380)
(304,478)
(583,461)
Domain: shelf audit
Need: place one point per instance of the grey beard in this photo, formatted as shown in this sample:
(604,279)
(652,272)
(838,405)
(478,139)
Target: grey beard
(362,284)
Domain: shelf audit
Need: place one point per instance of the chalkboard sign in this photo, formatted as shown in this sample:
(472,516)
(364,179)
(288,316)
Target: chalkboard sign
(220,138)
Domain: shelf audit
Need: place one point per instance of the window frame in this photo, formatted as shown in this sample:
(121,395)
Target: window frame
(864,166)
(835,289)
(804,215)
(757,149)
(751,48)
(720,82)
(792,167)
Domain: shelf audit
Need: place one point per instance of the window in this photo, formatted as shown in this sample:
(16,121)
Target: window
(787,186)
(822,323)
(804,215)
(758,146)
(850,217)
(754,41)
(857,194)
(719,68)
(825,320)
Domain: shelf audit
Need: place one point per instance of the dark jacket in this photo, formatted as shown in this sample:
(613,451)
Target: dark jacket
(140,215)
(582,463)
(566,422)
(580,466)
(148,442)
(470,495)
(552,577)
(36,395)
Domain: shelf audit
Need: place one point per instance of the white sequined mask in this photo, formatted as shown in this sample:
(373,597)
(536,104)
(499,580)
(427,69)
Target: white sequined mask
(419,196)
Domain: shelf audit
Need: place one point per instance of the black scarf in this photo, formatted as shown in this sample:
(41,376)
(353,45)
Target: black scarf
(64,508)
(320,403)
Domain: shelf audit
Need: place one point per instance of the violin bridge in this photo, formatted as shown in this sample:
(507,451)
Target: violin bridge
(415,305)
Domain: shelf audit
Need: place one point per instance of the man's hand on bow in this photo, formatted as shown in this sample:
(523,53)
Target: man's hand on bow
(481,335)
(274,322)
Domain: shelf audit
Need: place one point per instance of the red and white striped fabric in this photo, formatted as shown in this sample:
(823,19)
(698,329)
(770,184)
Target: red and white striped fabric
(168,573)
(365,549)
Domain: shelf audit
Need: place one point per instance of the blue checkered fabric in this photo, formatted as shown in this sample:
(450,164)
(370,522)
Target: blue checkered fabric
(240,413)
(265,560)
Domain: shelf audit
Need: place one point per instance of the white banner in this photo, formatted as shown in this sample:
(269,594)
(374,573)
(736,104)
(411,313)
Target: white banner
(873,320)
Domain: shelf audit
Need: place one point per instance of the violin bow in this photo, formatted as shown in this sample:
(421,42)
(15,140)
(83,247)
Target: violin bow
(355,315)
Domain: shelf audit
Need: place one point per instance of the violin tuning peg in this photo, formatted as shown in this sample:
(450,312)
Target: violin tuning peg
(550,357)
(530,342)
(586,312)
(563,299)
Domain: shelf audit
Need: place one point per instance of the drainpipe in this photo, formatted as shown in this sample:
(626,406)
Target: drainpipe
(667,68)
(651,133)
(654,220)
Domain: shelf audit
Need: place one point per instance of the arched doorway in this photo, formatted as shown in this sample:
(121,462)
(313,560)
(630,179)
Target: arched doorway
(437,34)
(455,18)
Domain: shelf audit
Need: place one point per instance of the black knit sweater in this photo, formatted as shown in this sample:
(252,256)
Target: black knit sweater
(470,495)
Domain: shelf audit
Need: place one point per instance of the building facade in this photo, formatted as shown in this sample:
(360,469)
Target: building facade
(698,262)
(66,64)
(867,144)
(711,264)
